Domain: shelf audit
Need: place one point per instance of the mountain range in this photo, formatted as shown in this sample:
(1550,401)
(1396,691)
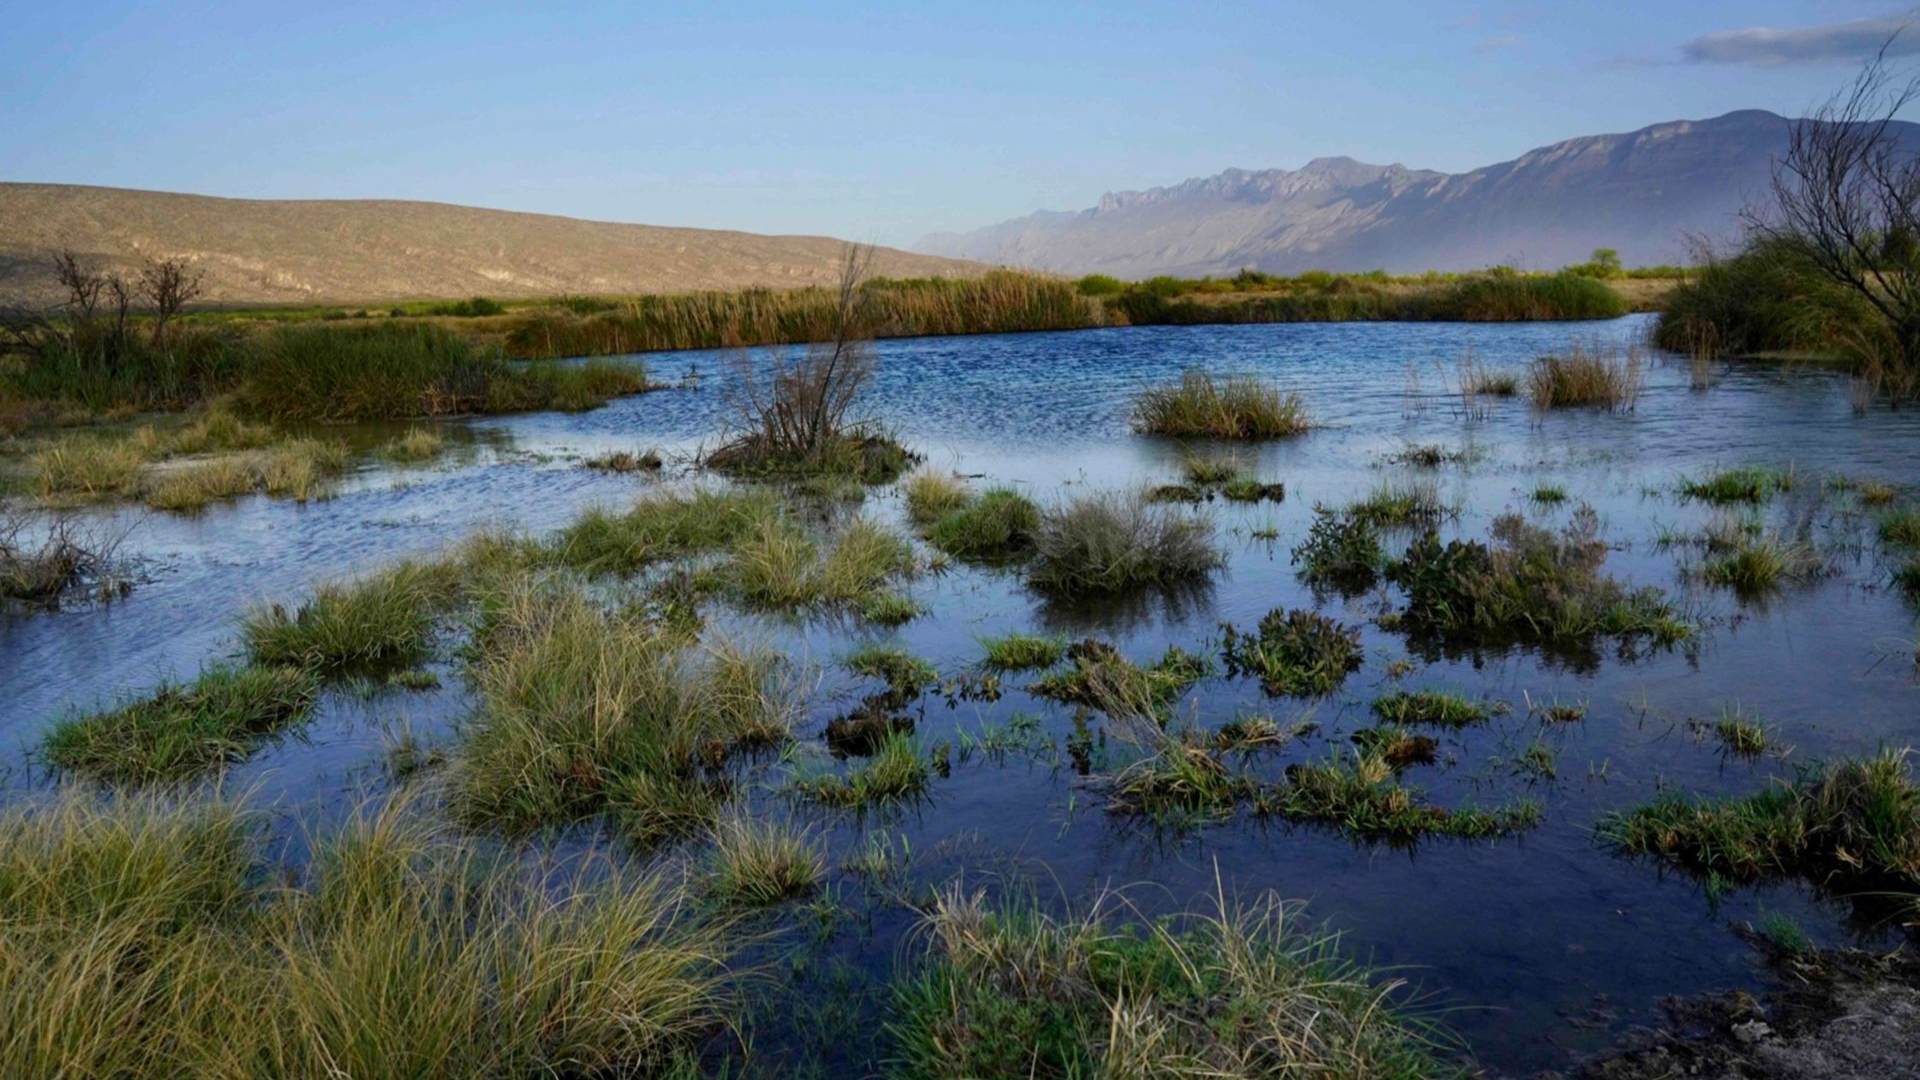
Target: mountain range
(305,251)
(1645,193)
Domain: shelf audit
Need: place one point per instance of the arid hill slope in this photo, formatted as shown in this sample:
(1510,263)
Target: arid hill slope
(369,250)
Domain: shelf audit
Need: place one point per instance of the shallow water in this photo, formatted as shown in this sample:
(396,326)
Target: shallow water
(1538,948)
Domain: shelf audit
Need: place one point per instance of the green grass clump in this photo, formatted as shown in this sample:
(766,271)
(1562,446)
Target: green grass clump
(584,711)
(146,936)
(1785,934)
(1106,543)
(905,674)
(1100,678)
(1742,734)
(191,488)
(1237,407)
(1906,577)
(1023,652)
(416,444)
(1015,992)
(1179,784)
(1209,472)
(1531,586)
(932,495)
(1247,489)
(776,565)
(890,609)
(1548,494)
(660,527)
(1295,652)
(1845,826)
(1586,378)
(1341,551)
(1748,484)
(1396,745)
(1358,795)
(219,429)
(1757,565)
(1429,707)
(1901,527)
(179,731)
(1391,505)
(896,771)
(998,524)
(758,864)
(386,618)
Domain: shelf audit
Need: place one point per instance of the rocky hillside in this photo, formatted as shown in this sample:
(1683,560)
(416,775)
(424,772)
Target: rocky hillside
(361,251)
(1644,192)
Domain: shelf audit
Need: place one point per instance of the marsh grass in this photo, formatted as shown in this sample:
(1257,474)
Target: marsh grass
(1107,543)
(905,674)
(81,468)
(661,527)
(1845,826)
(897,771)
(1023,652)
(182,730)
(1757,565)
(1438,707)
(386,618)
(298,469)
(191,488)
(1901,527)
(997,525)
(1547,494)
(1341,551)
(776,565)
(1357,794)
(1234,407)
(1100,678)
(758,864)
(890,609)
(1296,652)
(141,932)
(1242,992)
(1531,586)
(1750,484)
(1180,783)
(1397,746)
(1587,378)
(584,711)
(1401,505)
(1742,734)
(625,461)
(1208,472)
(932,494)
(1249,489)
(415,445)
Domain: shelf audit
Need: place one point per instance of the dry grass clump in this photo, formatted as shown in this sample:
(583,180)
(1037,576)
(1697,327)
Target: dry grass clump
(81,468)
(1584,377)
(298,469)
(42,558)
(626,461)
(416,444)
(141,936)
(1236,407)
(1242,992)
(1106,543)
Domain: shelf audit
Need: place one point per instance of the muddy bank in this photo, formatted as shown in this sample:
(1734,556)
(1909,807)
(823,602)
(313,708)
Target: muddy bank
(1839,1013)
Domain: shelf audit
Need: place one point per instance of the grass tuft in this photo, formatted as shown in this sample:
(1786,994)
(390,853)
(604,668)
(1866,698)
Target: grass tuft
(1237,407)
(1106,543)
(179,731)
(1294,652)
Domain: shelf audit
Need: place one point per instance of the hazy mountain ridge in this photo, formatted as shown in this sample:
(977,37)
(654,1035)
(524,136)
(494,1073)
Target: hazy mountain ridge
(369,250)
(1644,192)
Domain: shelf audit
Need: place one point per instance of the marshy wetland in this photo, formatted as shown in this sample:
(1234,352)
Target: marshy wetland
(1525,680)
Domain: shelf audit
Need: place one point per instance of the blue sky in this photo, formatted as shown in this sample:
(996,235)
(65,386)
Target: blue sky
(874,122)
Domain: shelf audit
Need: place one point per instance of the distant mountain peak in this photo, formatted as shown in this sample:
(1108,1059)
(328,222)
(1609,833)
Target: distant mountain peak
(1643,192)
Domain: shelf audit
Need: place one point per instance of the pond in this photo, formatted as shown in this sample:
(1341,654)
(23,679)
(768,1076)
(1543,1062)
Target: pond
(1535,948)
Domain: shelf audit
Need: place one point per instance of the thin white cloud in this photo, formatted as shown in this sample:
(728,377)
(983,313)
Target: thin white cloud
(1769,47)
